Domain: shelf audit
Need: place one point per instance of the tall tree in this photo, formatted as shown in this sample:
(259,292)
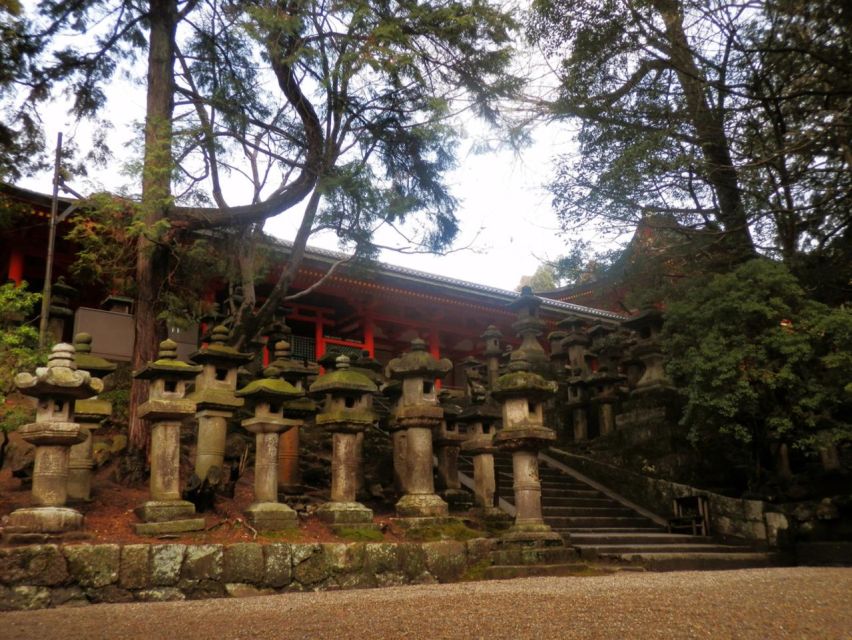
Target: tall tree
(732,119)
(349,104)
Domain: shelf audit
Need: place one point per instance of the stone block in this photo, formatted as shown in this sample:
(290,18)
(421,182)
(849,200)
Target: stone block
(134,572)
(242,590)
(202,589)
(243,562)
(412,560)
(162,594)
(39,565)
(166,561)
(72,596)
(277,565)
(446,560)
(202,562)
(359,580)
(342,557)
(110,593)
(380,557)
(24,598)
(271,516)
(312,570)
(170,527)
(391,579)
(93,565)
(165,510)
(480,549)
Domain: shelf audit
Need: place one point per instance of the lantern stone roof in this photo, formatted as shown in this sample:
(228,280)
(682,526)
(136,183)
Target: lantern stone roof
(84,359)
(343,379)
(269,387)
(60,378)
(167,365)
(217,351)
(519,381)
(418,362)
(288,367)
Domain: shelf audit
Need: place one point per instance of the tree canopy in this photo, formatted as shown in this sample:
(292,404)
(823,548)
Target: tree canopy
(732,119)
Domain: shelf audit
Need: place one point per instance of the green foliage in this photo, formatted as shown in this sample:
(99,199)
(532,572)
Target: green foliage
(359,534)
(759,362)
(19,349)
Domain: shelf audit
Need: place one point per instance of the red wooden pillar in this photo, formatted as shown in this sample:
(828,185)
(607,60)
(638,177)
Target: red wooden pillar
(369,335)
(16,267)
(319,338)
(435,350)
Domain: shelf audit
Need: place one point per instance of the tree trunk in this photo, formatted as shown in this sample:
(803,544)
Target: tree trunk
(152,258)
(710,131)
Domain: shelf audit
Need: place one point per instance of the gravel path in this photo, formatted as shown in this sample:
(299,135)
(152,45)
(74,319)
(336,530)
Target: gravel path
(767,604)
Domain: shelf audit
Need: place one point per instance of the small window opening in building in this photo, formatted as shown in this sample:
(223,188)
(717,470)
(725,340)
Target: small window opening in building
(533,407)
(274,408)
(350,402)
(171,386)
(486,427)
(221,374)
(58,405)
(427,388)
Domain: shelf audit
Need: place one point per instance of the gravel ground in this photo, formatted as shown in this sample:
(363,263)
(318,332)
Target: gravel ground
(754,603)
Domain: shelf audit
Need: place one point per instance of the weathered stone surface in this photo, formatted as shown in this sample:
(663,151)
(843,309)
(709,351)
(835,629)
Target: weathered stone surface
(170,527)
(302,552)
(277,565)
(314,569)
(202,589)
(344,558)
(243,562)
(202,562)
(166,561)
(134,572)
(39,565)
(360,580)
(93,565)
(68,597)
(412,560)
(163,594)
(110,593)
(445,560)
(381,557)
(242,590)
(479,549)
(391,579)
(22,598)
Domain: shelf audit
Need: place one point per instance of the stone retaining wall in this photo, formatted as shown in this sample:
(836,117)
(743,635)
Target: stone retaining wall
(731,519)
(37,576)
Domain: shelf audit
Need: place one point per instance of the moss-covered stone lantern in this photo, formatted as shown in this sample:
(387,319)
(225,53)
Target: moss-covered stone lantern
(418,412)
(448,437)
(575,344)
(608,346)
(214,398)
(165,409)
(529,327)
(648,325)
(492,353)
(522,394)
(392,391)
(57,387)
(91,414)
(266,397)
(298,372)
(347,411)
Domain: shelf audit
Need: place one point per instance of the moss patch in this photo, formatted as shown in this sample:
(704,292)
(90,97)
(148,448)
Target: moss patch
(451,531)
(476,571)
(355,534)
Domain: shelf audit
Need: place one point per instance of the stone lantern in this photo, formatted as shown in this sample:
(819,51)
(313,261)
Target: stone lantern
(575,344)
(393,392)
(648,325)
(493,351)
(522,394)
(481,418)
(56,387)
(90,413)
(166,408)
(605,381)
(448,437)
(347,411)
(298,373)
(419,414)
(528,327)
(266,398)
(214,398)
(374,370)
(60,312)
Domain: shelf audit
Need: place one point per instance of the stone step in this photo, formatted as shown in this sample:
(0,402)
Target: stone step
(607,550)
(583,522)
(635,537)
(533,555)
(580,511)
(581,501)
(700,561)
(564,494)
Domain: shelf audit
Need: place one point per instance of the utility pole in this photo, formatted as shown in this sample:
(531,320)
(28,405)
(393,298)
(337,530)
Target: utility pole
(51,248)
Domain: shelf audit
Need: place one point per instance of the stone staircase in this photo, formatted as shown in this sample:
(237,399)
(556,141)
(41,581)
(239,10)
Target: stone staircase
(604,529)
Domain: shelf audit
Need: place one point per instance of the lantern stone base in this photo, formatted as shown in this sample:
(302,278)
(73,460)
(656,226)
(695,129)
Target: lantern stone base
(421,505)
(493,516)
(271,516)
(345,513)
(540,535)
(166,516)
(457,500)
(42,520)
